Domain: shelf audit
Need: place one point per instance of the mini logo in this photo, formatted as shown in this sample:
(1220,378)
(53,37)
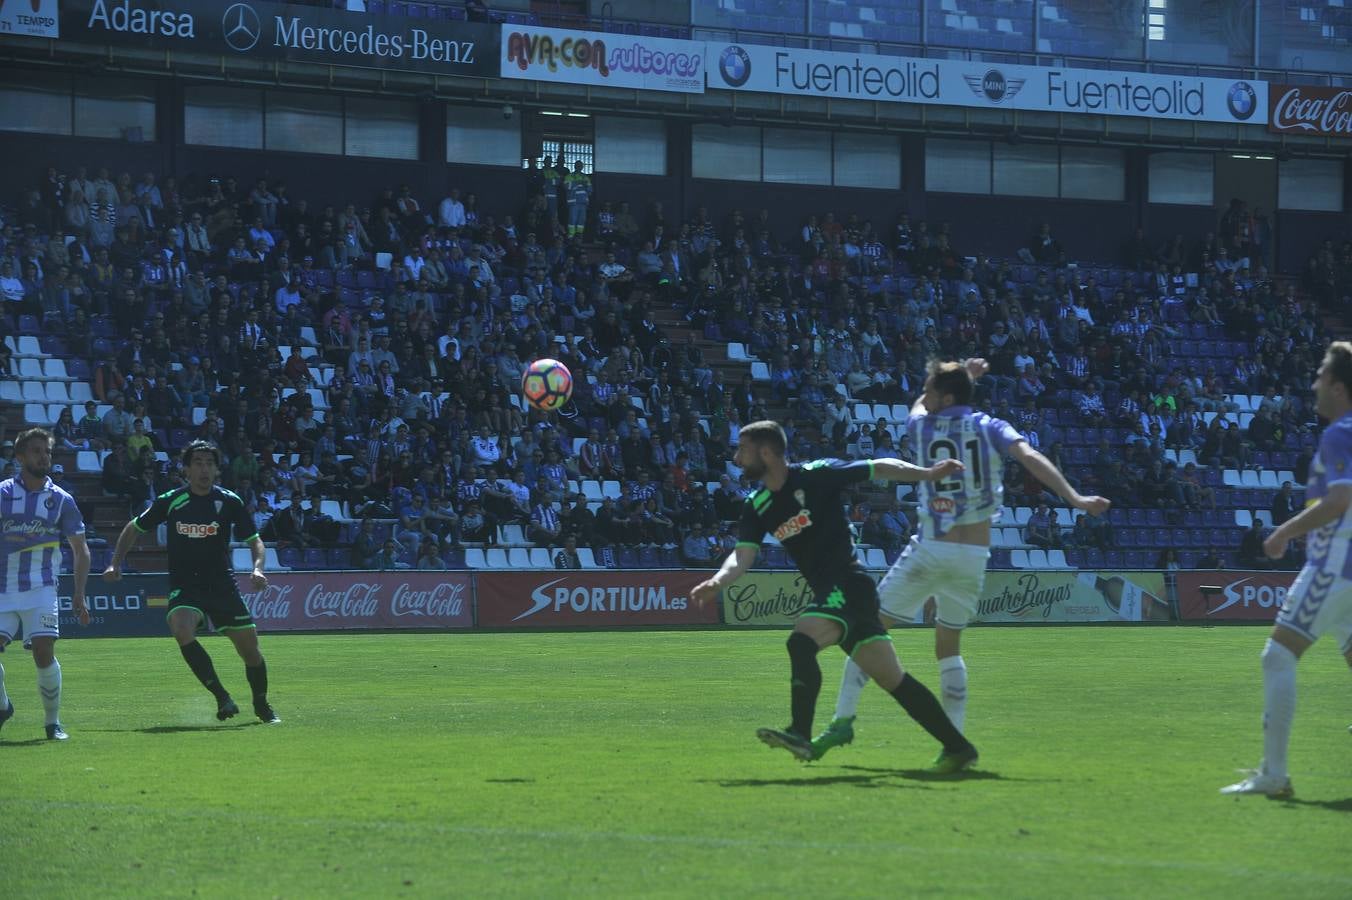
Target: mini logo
(734,64)
(51,503)
(800,496)
(192,530)
(994,86)
(240,27)
(794,526)
(941,506)
(1241,100)
(219,505)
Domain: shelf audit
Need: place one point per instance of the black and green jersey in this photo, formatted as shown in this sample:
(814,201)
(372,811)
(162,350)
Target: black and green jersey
(199,532)
(807,516)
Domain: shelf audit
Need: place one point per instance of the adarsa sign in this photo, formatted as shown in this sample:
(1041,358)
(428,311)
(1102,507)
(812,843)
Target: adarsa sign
(1307,109)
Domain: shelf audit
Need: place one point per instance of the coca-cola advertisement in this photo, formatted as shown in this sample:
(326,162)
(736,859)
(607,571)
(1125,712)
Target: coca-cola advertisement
(590,599)
(1223,595)
(1309,109)
(323,601)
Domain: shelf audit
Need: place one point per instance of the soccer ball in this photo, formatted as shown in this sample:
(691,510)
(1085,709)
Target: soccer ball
(547,384)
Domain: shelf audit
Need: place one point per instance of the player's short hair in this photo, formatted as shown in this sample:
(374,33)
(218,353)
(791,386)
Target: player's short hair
(204,447)
(1338,363)
(950,377)
(766,433)
(32,434)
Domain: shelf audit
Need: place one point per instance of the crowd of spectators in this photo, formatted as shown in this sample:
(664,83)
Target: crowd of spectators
(427,309)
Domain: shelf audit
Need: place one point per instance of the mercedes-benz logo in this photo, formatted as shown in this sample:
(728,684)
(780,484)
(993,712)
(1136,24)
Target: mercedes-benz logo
(240,27)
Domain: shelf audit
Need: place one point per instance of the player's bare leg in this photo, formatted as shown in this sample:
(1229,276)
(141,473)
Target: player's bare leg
(1280,655)
(255,669)
(809,636)
(49,685)
(878,660)
(183,624)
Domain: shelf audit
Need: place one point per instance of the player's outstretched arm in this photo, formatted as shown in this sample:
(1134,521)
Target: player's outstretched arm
(1051,477)
(739,560)
(900,470)
(125,541)
(1330,508)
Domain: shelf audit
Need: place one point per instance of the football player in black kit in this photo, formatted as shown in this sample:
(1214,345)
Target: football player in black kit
(200,518)
(801,506)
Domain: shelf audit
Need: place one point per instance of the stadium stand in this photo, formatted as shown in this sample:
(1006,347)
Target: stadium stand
(373,377)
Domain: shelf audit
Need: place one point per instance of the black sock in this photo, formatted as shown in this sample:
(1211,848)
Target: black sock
(200,663)
(806,682)
(258,681)
(924,707)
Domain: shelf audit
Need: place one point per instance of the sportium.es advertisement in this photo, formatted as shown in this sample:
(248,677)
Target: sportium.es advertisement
(776,598)
(590,599)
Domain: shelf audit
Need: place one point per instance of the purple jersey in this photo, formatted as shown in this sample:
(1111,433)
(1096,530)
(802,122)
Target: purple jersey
(980,443)
(32,524)
(1331,465)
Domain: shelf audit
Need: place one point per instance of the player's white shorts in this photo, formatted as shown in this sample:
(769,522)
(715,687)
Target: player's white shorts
(953,574)
(1320,599)
(36,610)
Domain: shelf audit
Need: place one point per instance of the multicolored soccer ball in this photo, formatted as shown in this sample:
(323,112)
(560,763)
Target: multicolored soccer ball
(547,384)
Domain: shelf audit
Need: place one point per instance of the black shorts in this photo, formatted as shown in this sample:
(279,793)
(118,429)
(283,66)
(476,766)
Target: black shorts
(218,601)
(853,603)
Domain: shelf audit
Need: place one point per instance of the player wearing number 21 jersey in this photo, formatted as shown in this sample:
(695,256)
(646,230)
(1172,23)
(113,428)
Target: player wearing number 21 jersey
(947,557)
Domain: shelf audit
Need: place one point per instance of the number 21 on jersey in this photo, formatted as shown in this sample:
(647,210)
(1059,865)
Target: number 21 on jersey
(972,478)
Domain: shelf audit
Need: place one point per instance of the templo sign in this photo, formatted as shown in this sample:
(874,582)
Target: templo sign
(1305,109)
(901,79)
(609,60)
(290,32)
(29,18)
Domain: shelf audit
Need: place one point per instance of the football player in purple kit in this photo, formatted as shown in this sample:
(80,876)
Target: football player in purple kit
(35,514)
(1320,599)
(947,557)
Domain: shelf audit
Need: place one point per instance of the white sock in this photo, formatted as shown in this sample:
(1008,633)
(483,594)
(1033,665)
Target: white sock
(953,689)
(1279,705)
(4,697)
(851,686)
(49,685)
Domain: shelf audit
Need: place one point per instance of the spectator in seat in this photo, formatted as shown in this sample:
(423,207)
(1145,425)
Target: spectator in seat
(429,558)
(1041,529)
(1251,555)
(695,549)
(121,477)
(1043,248)
(1283,504)
(580,522)
(567,557)
(388,558)
(67,433)
(545,527)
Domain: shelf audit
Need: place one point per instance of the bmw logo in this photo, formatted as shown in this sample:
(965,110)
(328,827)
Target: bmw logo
(240,27)
(735,66)
(1241,100)
(993,85)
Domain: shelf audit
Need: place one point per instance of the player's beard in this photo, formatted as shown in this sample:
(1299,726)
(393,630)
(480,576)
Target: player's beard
(754,469)
(37,473)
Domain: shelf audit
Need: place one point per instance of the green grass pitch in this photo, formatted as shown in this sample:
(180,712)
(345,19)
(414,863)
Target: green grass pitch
(622,764)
